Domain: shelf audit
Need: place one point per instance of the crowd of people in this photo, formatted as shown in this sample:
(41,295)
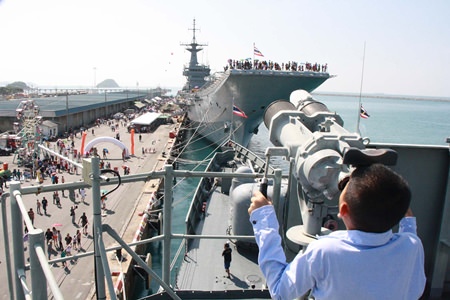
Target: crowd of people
(247,64)
(53,236)
(50,208)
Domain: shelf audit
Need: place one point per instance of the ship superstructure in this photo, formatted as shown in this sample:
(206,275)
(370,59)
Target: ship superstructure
(195,73)
(230,104)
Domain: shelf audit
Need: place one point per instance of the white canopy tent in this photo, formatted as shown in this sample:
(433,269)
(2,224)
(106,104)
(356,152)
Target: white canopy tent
(146,119)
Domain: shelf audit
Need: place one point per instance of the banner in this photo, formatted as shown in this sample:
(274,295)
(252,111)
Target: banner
(132,141)
(83,140)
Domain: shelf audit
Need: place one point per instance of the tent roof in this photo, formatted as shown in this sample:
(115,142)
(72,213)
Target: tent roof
(139,104)
(146,119)
(49,123)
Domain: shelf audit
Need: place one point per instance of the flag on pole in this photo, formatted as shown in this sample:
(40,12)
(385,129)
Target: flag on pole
(363,113)
(238,112)
(257,52)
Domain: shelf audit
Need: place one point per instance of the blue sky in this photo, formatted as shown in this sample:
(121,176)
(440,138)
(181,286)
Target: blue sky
(60,43)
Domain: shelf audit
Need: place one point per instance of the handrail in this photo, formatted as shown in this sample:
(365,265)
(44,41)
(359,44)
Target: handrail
(39,264)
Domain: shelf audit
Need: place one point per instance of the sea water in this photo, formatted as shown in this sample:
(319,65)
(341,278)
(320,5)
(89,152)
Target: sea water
(405,120)
(195,158)
(422,121)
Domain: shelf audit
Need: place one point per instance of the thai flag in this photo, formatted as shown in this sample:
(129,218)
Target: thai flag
(363,113)
(257,52)
(238,112)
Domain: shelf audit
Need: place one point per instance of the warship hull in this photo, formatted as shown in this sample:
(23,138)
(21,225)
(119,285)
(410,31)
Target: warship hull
(210,108)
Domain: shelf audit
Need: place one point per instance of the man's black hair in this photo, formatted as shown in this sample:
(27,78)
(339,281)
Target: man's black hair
(378,198)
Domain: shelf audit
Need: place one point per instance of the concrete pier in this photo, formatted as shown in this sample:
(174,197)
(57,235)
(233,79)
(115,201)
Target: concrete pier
(123,211)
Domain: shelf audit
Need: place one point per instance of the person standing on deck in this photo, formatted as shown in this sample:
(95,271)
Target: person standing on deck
(366,261)
(226,253)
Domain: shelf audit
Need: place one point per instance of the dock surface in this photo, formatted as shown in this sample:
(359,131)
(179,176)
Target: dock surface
(123,211)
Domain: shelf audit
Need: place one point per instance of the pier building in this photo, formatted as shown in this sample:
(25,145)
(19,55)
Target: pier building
(72,111)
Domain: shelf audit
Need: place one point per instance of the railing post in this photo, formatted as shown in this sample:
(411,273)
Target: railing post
(7,246)
(167,223)
(17,238)
(38,279)
(96,205)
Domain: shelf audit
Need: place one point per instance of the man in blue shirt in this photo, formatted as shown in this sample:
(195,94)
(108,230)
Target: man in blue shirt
(366,261)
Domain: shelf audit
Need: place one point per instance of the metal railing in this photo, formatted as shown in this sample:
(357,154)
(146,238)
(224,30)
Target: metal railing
(39,266)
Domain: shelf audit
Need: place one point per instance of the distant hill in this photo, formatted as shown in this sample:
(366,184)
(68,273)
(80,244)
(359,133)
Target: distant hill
(18,85)
(13,88)
(108,83)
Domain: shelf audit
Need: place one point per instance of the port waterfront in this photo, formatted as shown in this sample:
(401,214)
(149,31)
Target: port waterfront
(123,210)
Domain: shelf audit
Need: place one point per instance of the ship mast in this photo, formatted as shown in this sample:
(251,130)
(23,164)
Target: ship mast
(193,47)
(195,73)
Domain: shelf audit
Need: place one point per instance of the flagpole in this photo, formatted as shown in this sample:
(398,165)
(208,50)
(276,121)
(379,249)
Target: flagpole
(360,91)
(232,117)
(253,50)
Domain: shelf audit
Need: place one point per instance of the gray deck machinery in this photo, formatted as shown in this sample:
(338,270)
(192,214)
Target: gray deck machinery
(321,152)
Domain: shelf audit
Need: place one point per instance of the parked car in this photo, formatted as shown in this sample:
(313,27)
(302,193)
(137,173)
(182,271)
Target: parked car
(50,138)
(5,151)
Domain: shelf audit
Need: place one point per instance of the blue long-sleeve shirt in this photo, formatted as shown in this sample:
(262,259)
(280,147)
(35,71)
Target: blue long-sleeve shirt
(348,264)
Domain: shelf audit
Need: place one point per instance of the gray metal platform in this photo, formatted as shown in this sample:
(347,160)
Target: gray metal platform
(201,261)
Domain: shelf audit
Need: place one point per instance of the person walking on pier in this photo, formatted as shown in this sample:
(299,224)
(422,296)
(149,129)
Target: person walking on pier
(63,255)
(82,194)
(49,236)
(78,239)
(74,242)
(72,213)
(103,200)
(84,223)
(60,240)
(44,205)
(62,181)
(31,215)
(38,206)
(69,250)
(57,199)
(68,239)
(55,237)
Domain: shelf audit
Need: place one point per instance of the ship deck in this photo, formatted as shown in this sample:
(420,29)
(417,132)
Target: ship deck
(203,266)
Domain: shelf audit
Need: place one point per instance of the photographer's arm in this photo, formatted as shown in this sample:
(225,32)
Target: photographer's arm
(281,277)
(408,223)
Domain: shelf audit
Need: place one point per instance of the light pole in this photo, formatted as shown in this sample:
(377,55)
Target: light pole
(106,106)
(137,86)
(95,78)
(67,111)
